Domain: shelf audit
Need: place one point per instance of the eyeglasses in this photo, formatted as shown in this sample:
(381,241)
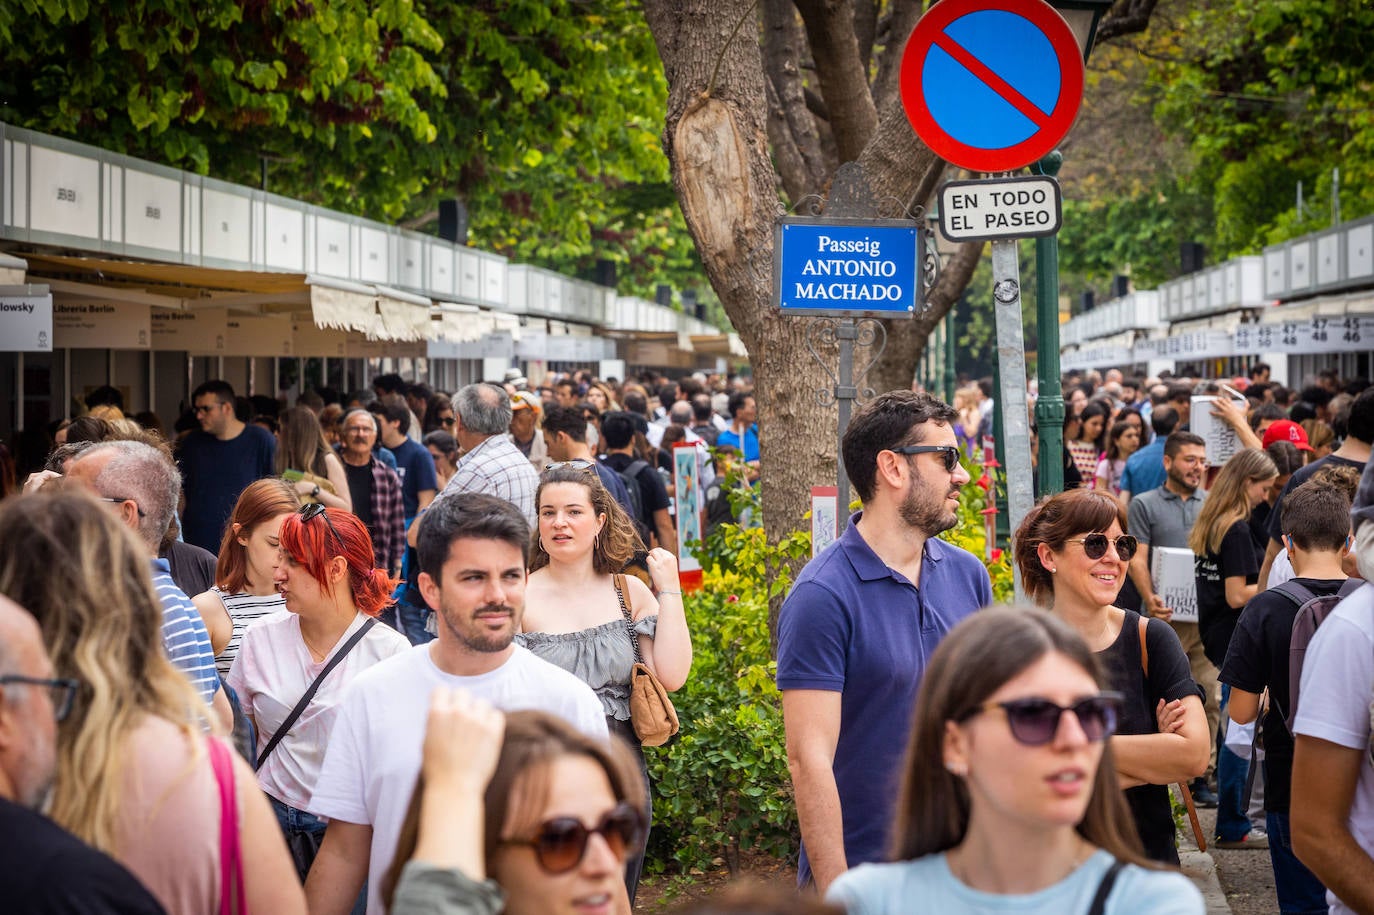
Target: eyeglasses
(62,692)
(120,501)
(1095,546)
(207,407)
(560,844)
(950,453)
(1034,721)
(313,510)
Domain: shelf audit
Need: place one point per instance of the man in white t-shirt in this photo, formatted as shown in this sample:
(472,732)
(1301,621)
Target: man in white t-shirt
(473,553)
(1332,808)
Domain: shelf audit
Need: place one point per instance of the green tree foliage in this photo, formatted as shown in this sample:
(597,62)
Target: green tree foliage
(542,115)
(1271,94)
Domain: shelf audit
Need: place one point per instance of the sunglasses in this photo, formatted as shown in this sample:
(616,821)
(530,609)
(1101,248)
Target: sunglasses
(560,844)
(575,464)
(1034,721)
(446,420)
(315,510)
(1095,546)
(950,453)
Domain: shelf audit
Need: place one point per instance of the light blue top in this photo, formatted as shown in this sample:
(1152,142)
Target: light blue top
(926,885)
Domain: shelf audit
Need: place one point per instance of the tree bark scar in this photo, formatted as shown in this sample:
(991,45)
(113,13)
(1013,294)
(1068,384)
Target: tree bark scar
(714,176)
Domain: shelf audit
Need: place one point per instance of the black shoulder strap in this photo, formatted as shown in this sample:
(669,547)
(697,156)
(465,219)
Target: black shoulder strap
(1104,889)
(304,703)
(635,469)
(1295,591)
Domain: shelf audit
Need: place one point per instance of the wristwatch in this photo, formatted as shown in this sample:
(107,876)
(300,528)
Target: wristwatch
(315,493)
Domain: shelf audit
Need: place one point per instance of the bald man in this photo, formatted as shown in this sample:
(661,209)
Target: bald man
(46,869)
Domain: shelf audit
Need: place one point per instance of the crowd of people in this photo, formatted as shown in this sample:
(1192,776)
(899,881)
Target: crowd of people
(375,653)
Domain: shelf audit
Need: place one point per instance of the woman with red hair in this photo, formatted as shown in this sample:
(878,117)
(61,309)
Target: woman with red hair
(292,668)
(244,590)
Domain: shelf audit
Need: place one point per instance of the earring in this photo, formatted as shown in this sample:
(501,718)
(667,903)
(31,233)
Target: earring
(955,769)
(1052,571)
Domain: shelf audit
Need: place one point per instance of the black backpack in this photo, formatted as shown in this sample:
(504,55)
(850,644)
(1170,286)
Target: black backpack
(630,476)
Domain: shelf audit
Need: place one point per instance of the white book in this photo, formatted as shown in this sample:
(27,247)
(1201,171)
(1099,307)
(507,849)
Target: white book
(1171,573)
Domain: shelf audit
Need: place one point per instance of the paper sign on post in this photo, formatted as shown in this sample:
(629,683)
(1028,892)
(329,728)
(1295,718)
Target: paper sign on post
(1220,438)
(824,517)
(1171,573)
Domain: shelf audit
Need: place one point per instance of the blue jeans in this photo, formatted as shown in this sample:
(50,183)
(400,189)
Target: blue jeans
(413,622)
(1298,889)
(1232,821)
(292,820)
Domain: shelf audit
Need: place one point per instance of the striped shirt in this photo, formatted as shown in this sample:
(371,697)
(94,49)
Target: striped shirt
(184,635)
(243,609)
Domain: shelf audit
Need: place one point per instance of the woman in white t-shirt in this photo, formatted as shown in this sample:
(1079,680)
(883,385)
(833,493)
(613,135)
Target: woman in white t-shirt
(244,590)
(1009,797)
(327,579)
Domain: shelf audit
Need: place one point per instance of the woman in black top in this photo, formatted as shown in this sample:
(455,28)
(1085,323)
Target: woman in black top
(1072,552)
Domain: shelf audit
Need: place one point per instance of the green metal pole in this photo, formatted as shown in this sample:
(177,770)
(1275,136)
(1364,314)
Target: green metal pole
(1049,406)
(949,356)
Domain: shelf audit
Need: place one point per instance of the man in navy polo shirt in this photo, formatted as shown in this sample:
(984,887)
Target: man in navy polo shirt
(862,621)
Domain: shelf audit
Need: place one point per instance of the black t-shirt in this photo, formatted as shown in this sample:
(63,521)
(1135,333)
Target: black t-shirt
(1259,527)
(360,490)
(1258,658)
(49,871)
(1169,678)
(1298,478)
(192,568)
(653,495)
(1215,617)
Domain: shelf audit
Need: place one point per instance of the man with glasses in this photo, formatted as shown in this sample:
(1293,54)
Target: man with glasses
(141,485)
(217,462)
(862,620)
(1164,517)
(375,489)
(46,868)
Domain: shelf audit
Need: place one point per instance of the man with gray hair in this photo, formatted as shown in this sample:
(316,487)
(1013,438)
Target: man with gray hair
(143,486)
(490,462)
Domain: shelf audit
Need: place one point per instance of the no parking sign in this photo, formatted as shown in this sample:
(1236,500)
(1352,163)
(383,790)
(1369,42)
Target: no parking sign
(992,85)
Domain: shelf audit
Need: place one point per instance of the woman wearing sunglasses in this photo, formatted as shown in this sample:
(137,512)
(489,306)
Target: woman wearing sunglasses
(517,813)
(325,575)
(1009,801)
(1072,552)
(582,615)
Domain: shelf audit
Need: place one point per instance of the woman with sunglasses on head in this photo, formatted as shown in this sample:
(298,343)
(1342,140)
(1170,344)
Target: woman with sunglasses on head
(1008,800)
(584,616)
(1226,570)
(515,813)
(1072,552)
(244,589)
(138,776)
(333,592)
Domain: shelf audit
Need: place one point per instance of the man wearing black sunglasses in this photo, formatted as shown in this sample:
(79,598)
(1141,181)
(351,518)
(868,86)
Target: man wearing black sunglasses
(860,623)
(46,869)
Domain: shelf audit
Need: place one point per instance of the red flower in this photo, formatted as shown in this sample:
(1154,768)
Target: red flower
(996,554)
(732,599)
(984,482)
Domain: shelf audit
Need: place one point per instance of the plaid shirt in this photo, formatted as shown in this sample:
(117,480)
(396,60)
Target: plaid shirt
(498,468)
(388,517)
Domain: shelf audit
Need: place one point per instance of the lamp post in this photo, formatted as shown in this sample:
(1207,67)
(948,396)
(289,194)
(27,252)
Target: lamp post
(1082,17)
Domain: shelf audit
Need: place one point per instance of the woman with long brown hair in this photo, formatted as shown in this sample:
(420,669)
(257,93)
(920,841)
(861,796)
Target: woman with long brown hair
(1009,789)
(1072,551)
(586,617)
(305,460)
(137,776)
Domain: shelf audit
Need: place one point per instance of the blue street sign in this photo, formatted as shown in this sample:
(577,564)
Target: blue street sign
(847,267)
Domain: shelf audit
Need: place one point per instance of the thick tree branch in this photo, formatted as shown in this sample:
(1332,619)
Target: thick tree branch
(798,152)
(897,26)
(1127,17)
(844,80)
(865,30)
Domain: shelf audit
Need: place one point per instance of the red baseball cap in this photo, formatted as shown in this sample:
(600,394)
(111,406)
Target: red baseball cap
(1285,430)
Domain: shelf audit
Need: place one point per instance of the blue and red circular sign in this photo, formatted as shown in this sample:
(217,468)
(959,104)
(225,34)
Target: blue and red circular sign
(992,85)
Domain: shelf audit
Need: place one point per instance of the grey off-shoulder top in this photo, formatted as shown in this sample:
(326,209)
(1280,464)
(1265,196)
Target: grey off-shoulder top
(602,657)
